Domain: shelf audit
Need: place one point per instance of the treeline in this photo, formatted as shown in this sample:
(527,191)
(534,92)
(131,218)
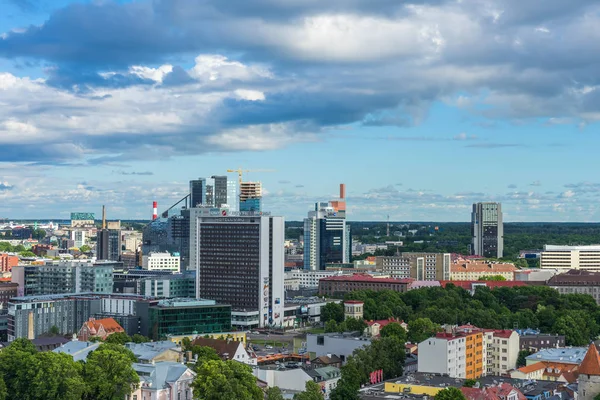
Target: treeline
(577,316)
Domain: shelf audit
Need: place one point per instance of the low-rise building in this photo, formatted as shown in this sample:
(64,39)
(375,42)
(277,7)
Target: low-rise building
(8,290)
(310,279)
(339,344)
(473,270)
(163,380)
(533,340)
(152,352)
(227,349)
(547,371)
(340,285)
(577,281)
(471,286)
(161,261)
(374,328)
(99,328)
(566,355)
(293,380)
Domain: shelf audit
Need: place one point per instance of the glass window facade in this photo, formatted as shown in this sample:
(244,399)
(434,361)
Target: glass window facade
(188,320)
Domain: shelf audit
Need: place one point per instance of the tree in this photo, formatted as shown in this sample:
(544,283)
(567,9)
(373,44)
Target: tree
(273,393)
(469,383)
(137,338)
(355,325)
(421,329)
(54,331)
(521,360)
(109,374)
(4,393)
(331,326)
(450,393)
(492,278)
(58,377)
(118,338)
(204,354)
(27,254)
(186,343)
(225,380)
(85,248)
(24,345)
(393,329)
(332,311)
(349,384)
(312,391)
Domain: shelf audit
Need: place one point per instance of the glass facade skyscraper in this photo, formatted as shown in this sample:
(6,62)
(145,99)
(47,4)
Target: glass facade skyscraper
(220,191)
(487,230)
(197,192)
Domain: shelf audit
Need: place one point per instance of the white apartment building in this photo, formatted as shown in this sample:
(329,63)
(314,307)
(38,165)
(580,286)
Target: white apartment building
(161,261)
(571,257)
(79,237)
(310,279)
(443,355)
(501,351)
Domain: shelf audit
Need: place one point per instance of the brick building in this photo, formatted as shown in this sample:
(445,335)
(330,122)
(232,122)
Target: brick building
(339,285)
(7,261)
(8,290)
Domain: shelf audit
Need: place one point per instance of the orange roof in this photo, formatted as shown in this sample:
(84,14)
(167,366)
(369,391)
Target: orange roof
(591,362)
(109,325)
(532,368)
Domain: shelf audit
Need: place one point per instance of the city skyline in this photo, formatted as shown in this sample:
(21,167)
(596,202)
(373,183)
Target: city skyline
(420,126)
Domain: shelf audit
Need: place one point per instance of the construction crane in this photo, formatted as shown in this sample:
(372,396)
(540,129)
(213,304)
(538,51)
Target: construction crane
(240,171)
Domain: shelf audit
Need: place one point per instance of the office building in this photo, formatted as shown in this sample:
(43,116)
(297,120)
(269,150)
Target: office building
(82,219)
(161,261)
(169,286)
(340,285)
(420,266)
(170,234)
(239,261)
(210,195)
(577,281)
(198,192)
(473,270)
(79,237)
(65,276)
(327,237)
(310,279)
(233,197)
(220,191)
(250,196)
(7,262)
(487,230)
(108,240)
(176,317)
(570,257)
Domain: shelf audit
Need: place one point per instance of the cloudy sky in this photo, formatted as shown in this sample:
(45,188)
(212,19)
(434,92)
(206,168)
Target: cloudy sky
(420,107)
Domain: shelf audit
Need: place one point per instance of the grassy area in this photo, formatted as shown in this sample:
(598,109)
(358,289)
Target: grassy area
(316,330)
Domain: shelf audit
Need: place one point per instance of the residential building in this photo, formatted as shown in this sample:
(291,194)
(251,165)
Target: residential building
(577,281)
(7,262)
(8,290)
(240,261)
(473,270)
(330,360)
(546,371)
(98,328)
(250,196)
(502,391)
(65,276)
(163,380)
(419,266)
(169,286)
(326,377)
(77,349)
(374,328)
(566,355)
(210,196)
(502,351)
(457,354)
(327,237)
(227,349)
(340,285)
(570,257)
(154,352)
(79,237)
(339,344)
(487,230)
(198,192)
(187,316)
(533,340)
(161,261)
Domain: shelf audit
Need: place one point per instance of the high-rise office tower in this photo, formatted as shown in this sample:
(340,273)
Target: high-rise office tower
(197,192)
(327,237)
(108,240)
(220,191)
(210,195)
(250,196)
(487,230)
(233,199)
(240,261)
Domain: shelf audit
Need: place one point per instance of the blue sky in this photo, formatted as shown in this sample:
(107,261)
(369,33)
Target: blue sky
(420,107)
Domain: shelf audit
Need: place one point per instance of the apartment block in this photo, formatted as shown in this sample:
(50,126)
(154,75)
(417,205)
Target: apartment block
(577,281)
(570,257)
(7,262)
(419,266)
(339,285)
(457,354)
(475,270)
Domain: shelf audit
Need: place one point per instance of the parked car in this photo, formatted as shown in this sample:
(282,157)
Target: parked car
(268,347)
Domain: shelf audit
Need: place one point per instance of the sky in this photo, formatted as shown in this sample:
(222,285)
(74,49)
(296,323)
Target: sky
(420,107)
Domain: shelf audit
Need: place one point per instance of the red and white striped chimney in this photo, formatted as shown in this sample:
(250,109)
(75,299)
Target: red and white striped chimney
(154,210)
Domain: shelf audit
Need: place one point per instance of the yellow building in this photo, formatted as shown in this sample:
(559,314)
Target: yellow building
(236,336)
(410,388)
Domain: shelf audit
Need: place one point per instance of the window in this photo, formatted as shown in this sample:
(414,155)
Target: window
(320,340)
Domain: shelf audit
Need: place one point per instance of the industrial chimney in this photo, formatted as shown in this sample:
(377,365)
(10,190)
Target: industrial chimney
(342,191)
(103,217)
(154,210)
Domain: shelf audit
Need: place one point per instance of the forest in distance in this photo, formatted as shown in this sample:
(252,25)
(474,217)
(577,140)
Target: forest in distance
(455,237)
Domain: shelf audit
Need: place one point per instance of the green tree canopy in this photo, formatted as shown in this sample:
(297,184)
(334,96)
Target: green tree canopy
(355,325)
(273,393)
(85,248)
(109,374)
(331,326)
(450,393)
(469,383)
(4,393)
(421,329)
(225,380)
(137,338)
(492,278)
(332,311)
(521,360)
(312,391)
(393,329)
(118,338)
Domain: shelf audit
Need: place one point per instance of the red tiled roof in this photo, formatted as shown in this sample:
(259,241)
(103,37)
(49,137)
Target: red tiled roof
(491,393)
(503,333)
(365,278)
(591,362)
(384,322)
(109,324)
(468,285)
(353,302)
